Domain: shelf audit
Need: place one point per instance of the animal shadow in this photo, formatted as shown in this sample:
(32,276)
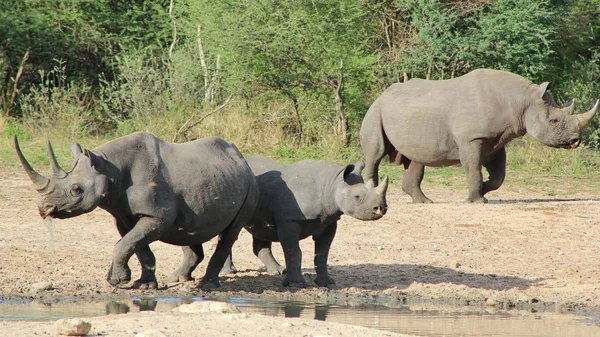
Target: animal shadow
(540,200)
(381,277)
(401,276)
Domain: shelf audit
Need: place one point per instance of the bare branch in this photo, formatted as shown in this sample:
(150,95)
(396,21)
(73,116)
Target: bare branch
(174,31)
(15,92)
(184,128)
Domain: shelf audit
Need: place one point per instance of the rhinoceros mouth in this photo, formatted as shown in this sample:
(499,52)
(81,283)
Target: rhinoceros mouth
(572,144)
(48,213)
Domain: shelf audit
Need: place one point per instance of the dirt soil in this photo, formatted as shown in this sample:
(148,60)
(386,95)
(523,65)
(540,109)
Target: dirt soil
(528,248)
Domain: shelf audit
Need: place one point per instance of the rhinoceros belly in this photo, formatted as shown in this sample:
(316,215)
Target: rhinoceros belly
(423,138)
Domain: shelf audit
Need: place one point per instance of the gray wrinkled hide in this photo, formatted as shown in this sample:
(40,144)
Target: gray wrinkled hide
(467,120)
(305,199)
(182,194)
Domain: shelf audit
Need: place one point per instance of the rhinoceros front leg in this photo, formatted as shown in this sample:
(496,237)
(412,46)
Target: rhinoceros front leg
(470,158)
(322,245)
(192,256)
(136,240)
(289,236)
(262,250)
(411,182)
(496,167)
(146,258)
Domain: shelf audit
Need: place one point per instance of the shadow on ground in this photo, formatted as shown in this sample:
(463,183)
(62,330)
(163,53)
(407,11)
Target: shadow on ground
(380,277)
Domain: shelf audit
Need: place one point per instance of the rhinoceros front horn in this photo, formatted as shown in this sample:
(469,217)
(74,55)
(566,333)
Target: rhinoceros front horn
(57,171)
(382,188)
(40,182)
(585,118)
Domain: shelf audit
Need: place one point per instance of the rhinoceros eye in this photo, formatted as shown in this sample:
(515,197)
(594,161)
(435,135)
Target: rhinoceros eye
(76,190)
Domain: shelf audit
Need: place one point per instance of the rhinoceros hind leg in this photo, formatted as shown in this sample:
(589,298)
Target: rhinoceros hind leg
(192,256)
(411,182)
(223,250)
(228,267)
(262,249)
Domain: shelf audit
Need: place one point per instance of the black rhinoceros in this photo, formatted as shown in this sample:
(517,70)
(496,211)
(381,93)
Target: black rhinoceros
(182,194)
(467,120)
(305,199)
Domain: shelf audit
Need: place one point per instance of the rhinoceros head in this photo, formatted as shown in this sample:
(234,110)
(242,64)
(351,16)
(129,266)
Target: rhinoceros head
(68,194)
(359,200)
(555,125)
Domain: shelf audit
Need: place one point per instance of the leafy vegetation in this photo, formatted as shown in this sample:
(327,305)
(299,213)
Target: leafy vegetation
(289,78)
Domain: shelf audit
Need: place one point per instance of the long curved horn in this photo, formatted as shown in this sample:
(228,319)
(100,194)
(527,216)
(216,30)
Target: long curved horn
(57,171)
(382,188)
(40,182)
(585,118)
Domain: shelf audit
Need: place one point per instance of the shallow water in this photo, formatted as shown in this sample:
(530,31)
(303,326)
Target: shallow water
(426,320)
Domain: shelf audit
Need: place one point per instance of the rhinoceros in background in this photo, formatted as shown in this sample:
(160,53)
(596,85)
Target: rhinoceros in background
(467,120)
(182,194)
(302,199)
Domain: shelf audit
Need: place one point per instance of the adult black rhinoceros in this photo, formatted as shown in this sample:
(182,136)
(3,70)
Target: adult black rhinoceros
(182,194)
(467,120)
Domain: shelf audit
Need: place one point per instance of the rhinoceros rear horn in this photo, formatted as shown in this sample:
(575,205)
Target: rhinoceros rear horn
(585,118)
(57,171)
(40,182)
(382,188)
(569,107)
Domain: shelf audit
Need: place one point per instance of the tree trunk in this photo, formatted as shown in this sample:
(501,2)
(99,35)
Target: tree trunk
(341,123)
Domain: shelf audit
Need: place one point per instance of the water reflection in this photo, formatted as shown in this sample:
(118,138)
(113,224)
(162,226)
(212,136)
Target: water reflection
(418,320)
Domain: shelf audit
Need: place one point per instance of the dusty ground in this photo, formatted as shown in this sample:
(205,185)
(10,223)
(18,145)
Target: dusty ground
(531,247)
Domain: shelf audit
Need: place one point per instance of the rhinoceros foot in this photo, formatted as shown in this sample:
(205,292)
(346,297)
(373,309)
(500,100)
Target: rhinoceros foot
(228,270)
(293,282)
(423,200)
(324,281)
(118,275)
(145,284)
(208,284)
(178,277)
(476,200)
(276,270)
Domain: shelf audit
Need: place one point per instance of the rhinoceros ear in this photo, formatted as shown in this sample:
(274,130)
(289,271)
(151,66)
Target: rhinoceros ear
(96,161)
(76,150)
(352,173)
(542,89)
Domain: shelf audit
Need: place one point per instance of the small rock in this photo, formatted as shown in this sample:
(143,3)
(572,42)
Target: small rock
(41,286)
(72,327)
(207,306)
(455,264)
(151,333)
(287,324)
(492,302)
(379,247)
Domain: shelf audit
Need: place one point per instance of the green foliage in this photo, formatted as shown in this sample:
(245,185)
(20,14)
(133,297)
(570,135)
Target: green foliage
(512,35)
(103,68)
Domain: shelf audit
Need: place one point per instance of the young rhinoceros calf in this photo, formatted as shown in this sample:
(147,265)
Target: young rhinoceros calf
(307,198)
(182,194)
